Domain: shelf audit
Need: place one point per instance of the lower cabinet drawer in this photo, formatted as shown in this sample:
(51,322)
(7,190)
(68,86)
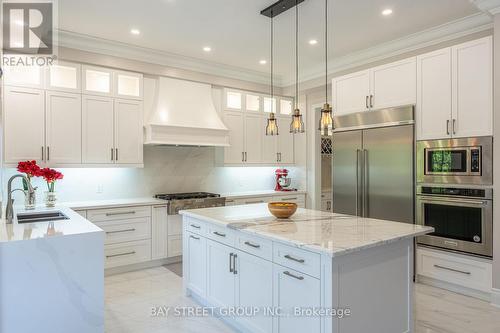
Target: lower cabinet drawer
(126,230)
(109,214)
(300,260)
(174,225)
(299,199)
(257,246)
(174,246)
(195,226)
(127,253)
(221,234)
(470,272)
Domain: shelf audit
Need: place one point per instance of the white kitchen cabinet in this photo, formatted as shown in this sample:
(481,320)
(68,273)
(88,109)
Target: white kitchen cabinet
(350,93)
(64,76)
(97,80)
(270,144)
(98,137)
(285,146)
(433,109)
(24,129)
(220,276)
(196,263)
(253,138)
(393,84)
(63,144)
(235,122)
(128,131)
(293,289)
(286,106)
(159,233)
(128,85)
(472,88)
(253,290)
(24,76)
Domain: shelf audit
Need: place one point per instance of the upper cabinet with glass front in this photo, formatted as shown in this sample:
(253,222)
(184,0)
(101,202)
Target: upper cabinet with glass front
(97,80)
(64,76)
(24,76)
(233,100)
(128,85)
(286,106)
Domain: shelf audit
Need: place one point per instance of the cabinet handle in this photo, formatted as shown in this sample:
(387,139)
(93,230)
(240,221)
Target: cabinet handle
(293,275)
(328,205)
(452,269)
(219,234)
(116,154)
(366,102)
(253,202)
(243,156)
(289,257)
(48,153)
(234,263)
(447,126)
(195,226)
(371,101)
(246,157)
(120,213)
(117,231)
(277,157)
(194,237)
(252,245)
(280,157)
(121,254)
(231,262)
(453,126)
(112,154)
(43,155)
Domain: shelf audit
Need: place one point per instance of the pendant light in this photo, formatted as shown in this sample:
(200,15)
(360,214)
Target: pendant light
(326,120)
(297,125)
(272,123)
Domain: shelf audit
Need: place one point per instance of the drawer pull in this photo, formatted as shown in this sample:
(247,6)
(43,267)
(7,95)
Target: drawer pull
(252,245)
(289,257)
(254,202)
(293,275)
(285,199)
(120,254)
(452,269)
(194,237)
(195,226)
(120,213)
(219,234)
(117,231)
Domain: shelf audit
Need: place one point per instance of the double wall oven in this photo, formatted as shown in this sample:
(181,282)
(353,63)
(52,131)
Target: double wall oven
(454,194)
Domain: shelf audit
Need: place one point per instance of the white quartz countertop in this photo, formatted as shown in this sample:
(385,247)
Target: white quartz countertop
(247,194)
(75,225)
(110,203)
(323,232)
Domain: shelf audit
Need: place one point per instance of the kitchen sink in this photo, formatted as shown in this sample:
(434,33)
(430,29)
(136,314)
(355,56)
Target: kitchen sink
(41,217)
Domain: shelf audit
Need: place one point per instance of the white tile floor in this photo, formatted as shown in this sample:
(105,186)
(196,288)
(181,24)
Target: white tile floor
(130,296)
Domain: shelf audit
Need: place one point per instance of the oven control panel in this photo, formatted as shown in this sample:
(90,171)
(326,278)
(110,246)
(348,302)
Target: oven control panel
(453,191)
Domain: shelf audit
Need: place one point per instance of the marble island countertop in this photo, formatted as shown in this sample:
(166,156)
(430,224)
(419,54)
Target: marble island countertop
(323,232)
(74,225)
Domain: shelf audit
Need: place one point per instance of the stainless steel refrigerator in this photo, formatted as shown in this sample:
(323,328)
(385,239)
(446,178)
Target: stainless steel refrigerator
(373,164)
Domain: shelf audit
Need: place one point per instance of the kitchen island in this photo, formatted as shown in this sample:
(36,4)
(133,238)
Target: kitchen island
(315,272)
(51,275)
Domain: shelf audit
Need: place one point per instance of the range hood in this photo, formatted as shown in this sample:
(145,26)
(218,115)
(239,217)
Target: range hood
(183,113)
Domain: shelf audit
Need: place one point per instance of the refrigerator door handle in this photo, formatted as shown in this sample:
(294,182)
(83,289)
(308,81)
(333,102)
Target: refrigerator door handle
(358,153)
(365,183)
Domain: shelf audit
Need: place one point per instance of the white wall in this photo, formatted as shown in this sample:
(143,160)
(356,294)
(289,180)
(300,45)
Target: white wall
(166,170)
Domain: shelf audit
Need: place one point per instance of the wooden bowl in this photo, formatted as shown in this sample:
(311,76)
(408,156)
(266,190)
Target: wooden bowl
(282,210)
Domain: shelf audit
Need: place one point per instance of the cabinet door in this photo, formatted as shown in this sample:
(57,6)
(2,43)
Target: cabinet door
(128,85)
(128,131)
(97,80)
(270,144)
(24,123)
(159,233)
(394,84)
(220,278)
(254,133)
(472,88)
(433,110)
(295,290)
(350,93)
(97,136)
(196,263)
(24,76)
(234,122)
(286,143)
(63,127)
(64,76)
(253,289)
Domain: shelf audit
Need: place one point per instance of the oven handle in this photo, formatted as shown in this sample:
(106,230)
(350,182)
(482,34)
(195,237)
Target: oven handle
(429,199)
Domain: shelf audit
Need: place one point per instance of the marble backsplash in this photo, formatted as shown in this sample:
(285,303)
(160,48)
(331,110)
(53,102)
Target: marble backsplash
(166,169)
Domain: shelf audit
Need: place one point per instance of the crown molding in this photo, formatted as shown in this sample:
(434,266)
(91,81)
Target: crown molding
(426,38)
(88,43)
(488,6)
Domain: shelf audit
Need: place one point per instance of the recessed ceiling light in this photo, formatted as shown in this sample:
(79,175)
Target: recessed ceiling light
(207,49)
(387,12)
(263,62)
(313,42)
(135,32)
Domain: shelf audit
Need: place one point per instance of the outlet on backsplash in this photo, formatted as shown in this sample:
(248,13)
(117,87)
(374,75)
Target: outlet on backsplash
(100,188)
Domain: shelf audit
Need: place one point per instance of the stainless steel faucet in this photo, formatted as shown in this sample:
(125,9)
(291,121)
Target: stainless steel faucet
(9,210)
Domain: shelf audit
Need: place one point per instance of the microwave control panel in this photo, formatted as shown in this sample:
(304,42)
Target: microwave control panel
(475,160)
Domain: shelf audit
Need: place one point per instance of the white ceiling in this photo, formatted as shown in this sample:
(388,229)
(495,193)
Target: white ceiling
(239,35)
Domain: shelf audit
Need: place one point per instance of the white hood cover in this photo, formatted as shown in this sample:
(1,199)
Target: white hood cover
(184,114)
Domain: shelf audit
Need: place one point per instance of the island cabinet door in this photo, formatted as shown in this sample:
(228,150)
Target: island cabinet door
(254,290)
(196,263)
(295,293)
(220,274)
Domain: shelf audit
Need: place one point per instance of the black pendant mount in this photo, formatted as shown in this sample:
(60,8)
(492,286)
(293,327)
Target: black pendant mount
(279,7)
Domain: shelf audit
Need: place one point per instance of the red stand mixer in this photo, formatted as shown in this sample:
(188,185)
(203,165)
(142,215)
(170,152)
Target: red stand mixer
(282,180)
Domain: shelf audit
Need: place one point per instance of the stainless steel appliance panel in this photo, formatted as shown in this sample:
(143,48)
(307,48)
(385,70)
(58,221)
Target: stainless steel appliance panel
(388,173)
(347,169)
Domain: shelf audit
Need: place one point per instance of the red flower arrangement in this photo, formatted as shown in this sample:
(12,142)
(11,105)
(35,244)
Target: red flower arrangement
(30,168)
(50,176)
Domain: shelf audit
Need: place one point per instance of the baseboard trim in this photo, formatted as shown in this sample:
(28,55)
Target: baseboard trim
(141,265)
(485,296)
(495,297)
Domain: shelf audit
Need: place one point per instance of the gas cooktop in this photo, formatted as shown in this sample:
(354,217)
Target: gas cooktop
(184,196)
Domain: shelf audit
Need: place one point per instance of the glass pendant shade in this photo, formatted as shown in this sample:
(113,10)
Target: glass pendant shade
(297,125)
(326,121)
(272,125)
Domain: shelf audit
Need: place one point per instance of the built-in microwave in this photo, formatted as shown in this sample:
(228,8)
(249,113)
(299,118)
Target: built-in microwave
(455,161)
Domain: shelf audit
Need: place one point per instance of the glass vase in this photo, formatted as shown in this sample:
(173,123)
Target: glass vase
(30,199)
(50,199)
